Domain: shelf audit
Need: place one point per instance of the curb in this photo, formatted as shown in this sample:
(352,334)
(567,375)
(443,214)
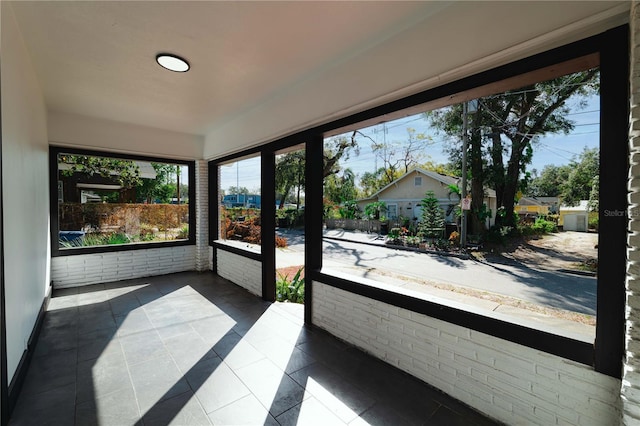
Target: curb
(413,249)
(578,272)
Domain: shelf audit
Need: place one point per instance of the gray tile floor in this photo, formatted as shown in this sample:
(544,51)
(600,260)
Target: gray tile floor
(193,349)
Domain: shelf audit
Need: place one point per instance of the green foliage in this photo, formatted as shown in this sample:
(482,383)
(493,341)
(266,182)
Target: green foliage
(594,223)
(125,172)
(515,120)
(349,210)
(375,210)
(431,224)
(393,237)
(183,234)
(550,181)
(292,291)
(539,227)
(498,234)
(290,174)
(580,182)
(341,188)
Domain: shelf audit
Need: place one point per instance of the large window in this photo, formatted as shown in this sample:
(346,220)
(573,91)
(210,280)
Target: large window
(108,202)
(240,203)
(512,244)
(509,227)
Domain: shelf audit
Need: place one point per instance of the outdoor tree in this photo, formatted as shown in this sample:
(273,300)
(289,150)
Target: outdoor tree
(336,149)
(549,182)
(289,175)
(237,190)
(161,188)
(432,220)
(371,182)
(579,183)
(398,157)
(340,188)
(505,130)
(124,172)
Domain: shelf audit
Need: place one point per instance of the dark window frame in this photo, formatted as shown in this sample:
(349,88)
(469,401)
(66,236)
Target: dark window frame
(605,355)
(53,203)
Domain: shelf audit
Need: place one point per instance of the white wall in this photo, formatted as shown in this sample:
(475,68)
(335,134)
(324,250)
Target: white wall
(78,131)
(86,269)
(509,382)
(25,190)
(631,370)
(245,272)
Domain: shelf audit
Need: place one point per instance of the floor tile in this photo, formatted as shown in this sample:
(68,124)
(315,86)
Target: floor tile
(245,411)
(155,381)
(214,384)
(273,388)
(341,397)
(181,410)
(50,372)
(142,347)
(114,409)
(194,349)
(54,407)
(188,349)
(235,352)
(310,412)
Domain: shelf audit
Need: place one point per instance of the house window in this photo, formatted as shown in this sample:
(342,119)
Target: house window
(107,202)
(392,211)
(417,181)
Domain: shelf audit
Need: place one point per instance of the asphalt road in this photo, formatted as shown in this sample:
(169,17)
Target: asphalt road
(545,288)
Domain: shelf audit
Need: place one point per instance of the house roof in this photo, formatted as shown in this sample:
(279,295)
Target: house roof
(445,179)
(583,206)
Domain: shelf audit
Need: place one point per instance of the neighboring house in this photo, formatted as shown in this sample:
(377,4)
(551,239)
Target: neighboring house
(537,206)
(242,200)
(576,218)
(403,195)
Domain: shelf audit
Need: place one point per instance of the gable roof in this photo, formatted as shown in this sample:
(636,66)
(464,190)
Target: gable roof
(444,179)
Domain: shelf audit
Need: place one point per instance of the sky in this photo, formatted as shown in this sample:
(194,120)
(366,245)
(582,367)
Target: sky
(551,149)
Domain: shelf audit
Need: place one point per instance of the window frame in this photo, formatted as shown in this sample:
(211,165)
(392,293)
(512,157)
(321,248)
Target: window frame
(53,203)
(605,355)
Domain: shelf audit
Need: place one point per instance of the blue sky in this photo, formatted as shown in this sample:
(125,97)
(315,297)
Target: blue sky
(552,149)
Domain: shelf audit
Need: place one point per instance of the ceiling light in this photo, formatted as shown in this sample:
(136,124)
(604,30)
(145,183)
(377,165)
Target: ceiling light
(172,62)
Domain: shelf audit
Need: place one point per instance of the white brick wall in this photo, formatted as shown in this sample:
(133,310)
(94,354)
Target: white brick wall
(507,381)
(202,215)
(631,375)
(210,258)
(240,270)
(85,269)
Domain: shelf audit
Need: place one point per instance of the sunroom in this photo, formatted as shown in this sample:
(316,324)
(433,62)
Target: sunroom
(99,252)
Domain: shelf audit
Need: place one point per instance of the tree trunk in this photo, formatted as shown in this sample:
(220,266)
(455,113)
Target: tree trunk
(477,181)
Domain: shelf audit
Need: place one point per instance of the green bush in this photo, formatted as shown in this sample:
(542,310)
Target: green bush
(594,223)
(292,291)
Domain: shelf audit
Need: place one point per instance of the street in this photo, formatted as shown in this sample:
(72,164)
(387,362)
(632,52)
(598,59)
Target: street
(452,277)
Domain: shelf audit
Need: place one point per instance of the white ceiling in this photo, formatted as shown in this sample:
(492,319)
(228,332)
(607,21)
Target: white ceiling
(98,58)
(264,69)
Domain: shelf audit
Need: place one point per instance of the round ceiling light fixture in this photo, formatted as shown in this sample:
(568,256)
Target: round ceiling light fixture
(172,62)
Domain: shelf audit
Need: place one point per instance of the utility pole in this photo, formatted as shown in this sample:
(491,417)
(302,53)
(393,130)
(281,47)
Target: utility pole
(465,142)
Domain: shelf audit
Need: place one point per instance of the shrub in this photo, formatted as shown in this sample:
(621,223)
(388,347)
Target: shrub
(281,241)
(292,291)
(594,223)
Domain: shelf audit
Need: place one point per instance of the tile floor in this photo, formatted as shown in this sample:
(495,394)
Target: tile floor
(193,349)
